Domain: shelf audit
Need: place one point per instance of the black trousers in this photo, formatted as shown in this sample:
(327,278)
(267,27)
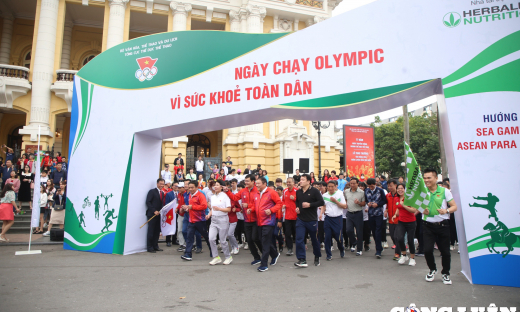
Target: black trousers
(383,230)
(453,230)
(154,229)
(440,234)
(419,233)
(321,232)
(253,239)
(393,231)
(400,231)
(269,249)
(344,235)
(239,230)
(366,232)
(355,221)
(290,233)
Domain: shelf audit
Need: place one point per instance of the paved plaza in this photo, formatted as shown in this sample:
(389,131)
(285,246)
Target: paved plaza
(63,280)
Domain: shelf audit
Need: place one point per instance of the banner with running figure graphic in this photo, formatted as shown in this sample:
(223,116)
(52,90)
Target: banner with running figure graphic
(143,94)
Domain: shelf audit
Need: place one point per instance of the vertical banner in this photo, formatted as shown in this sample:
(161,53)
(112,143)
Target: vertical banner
(359,152)
(35,215)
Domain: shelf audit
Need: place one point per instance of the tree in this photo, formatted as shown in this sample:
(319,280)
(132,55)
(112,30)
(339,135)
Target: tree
(389,140)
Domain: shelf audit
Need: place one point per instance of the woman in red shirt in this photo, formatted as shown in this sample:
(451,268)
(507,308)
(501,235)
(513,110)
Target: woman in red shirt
(221,175)
(326,175)
(313,179)
(406,225)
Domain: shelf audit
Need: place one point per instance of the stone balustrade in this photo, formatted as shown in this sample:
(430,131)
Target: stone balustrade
(12,71)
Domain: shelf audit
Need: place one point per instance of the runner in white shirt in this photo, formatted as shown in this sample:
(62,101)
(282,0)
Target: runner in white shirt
(220,206)
(334,205)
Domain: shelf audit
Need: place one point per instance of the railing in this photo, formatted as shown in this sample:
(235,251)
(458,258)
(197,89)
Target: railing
(65,75)
(12,71)
(312,3)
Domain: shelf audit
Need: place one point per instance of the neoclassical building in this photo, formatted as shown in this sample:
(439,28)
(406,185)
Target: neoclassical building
(45,42)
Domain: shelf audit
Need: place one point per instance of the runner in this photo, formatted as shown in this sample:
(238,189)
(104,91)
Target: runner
(220,207)
(333,209)
(289,204)
(437,226)
(197,220)
(406,225)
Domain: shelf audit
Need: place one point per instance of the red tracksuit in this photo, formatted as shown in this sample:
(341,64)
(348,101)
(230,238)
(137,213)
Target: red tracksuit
(247,197)
(290,204)
(198,207)
(269,200)
(233,215)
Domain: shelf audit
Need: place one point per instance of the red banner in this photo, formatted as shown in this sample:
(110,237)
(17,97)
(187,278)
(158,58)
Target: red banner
(359,151)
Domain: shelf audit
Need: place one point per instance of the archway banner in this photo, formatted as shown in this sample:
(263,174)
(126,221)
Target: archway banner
(377,57)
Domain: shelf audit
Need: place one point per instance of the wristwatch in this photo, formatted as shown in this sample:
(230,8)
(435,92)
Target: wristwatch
(448,210)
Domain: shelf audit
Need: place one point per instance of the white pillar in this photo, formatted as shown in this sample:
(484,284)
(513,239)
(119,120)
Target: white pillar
(5,44)
(65,50)
(234,20)
(296,21)
(276,23)
(255,18)
(116,23)
(180,14)
(243,20)
(43,70)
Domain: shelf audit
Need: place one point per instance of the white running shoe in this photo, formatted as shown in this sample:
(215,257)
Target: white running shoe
(240,245)
(45,225)
(228,261)
(402,259)
(322,246)
(431,276)
(412,262)
(385,245)
(47,233)
(215,260)
(331,248)
(446,279)
(452,247)
(236,251)
(246,246)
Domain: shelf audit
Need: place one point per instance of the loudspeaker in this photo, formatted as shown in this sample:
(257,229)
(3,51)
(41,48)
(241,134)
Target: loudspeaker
(288,166)
(304,165)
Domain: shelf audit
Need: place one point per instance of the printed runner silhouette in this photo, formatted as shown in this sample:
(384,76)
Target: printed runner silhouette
(108,222)
(81,219)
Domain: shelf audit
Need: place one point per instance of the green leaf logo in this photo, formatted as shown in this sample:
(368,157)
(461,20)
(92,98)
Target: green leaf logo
(451,19)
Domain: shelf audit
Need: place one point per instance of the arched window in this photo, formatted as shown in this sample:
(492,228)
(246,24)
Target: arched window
(198,145)
(87,59)
(27,60)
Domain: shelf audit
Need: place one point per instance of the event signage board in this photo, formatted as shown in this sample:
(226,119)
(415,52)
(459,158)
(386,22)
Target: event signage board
(359,151)
(132,96)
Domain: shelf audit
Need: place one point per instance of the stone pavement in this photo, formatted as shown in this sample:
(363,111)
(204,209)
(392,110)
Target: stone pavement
(63,280)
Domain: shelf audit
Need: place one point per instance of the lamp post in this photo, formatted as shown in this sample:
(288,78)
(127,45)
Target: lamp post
(318,126)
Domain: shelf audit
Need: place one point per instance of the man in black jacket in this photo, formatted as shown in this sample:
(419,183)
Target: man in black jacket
(179,157)
(154,202)
(308,199)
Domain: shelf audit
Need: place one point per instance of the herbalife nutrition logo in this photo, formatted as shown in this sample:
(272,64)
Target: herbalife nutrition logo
(451,19)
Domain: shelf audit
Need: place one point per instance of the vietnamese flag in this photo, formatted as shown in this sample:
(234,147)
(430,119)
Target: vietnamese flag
(168,220)
(146,62)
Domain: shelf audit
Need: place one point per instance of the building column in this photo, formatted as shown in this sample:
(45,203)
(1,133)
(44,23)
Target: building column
(7,33)
(255,18)
(43,70)
(243,20)
(180,14)
(234,20)
(65,50)
(295,27)
(116,22)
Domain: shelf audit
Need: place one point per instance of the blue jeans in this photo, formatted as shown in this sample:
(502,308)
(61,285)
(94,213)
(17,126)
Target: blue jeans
(333,227)
(199,173)
(192,227)
(312,228)
(277,236)
(376,226)
(185,223)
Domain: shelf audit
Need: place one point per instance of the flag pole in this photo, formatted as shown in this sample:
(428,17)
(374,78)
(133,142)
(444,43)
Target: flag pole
(33,252)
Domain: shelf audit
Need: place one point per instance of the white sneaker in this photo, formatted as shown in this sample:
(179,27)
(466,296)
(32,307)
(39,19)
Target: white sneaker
(246,246)
(402,259)
(452,247)
(446,279)
(240,245)
(45,225)
(359,253)
(322,246)
(47,233)
(331,248)
(215,260)
(235,251)
(385,245)
(412,262)
(228,261)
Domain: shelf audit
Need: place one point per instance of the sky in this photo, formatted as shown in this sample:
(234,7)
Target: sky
(347,5)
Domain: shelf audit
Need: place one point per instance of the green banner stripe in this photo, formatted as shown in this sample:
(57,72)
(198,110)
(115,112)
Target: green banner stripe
(208,49)
(351,98)
(516,229)
(497,50)
(119,240)
(85,118)
(503,78)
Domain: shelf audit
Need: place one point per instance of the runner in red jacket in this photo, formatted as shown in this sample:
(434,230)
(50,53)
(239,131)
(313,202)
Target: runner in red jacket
(247,195)
(289,201)
(267,205)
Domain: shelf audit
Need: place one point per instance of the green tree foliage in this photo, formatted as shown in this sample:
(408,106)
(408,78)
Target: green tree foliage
(389,138)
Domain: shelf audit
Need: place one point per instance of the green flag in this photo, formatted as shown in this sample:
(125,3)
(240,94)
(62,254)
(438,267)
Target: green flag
(416,195)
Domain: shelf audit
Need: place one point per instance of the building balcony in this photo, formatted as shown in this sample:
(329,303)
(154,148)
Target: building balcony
(64,85)
(14,82)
